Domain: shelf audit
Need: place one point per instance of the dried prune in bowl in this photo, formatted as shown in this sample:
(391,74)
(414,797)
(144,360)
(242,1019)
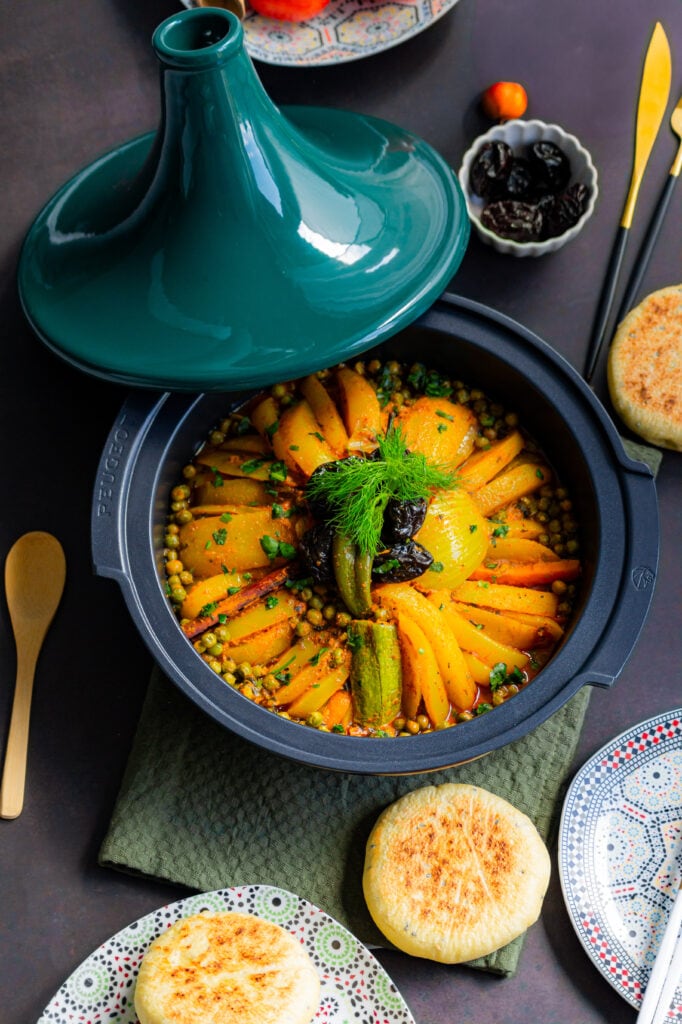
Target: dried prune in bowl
(521,222)
(559,213)
(521,183)
(490,170)
(550,164)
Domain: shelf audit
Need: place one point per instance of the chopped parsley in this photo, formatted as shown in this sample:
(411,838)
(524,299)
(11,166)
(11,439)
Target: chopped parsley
(220,536)
(500,677)
(387,566)
(315,660)
(278,472)
(276,548)
(501,531)
(252,465)
(208,609)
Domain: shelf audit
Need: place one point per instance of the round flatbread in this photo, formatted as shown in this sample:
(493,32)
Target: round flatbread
(645,369)
(454,872)
(226,968)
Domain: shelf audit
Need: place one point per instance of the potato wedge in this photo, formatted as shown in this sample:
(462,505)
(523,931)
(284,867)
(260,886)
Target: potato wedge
(319,692)
(209,544)
(506,598)
(217,490)
(326,413)
(206,592)
(259,648)
(519,480)
(506,628)
(309,675)
(470,638)
(520,549)
(482,466)
(421,678)
(400,598)
(362,415)
(479,670)
(439,429)
(298,441)
(280,606)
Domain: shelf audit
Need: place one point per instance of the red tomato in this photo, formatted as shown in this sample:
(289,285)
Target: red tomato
(288,10)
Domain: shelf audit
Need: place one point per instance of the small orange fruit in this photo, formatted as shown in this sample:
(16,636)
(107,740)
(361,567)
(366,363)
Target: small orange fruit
(505,100)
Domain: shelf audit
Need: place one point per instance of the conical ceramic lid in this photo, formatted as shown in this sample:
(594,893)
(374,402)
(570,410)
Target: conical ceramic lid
(239,244)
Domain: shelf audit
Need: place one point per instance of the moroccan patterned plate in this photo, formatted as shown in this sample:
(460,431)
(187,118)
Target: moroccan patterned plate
(620,852)
(344,30)
(354,986)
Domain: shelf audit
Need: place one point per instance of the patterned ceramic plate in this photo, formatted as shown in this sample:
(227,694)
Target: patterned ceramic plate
(354,986)
(344,30)
(620,852)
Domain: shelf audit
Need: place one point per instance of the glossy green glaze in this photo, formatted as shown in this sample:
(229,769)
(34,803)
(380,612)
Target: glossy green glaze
(239,244)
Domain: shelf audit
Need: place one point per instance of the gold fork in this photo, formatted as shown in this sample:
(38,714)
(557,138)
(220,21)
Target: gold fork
(647,247)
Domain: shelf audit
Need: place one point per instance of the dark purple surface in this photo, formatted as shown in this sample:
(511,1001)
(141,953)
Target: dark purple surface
(79,78)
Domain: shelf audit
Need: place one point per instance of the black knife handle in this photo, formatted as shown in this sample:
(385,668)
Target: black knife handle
(647,247)
(606,301)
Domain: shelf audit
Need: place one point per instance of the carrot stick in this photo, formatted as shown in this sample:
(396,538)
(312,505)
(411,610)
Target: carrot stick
(527,574)
(237,602)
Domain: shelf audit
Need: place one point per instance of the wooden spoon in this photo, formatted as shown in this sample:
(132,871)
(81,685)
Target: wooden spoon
(35,571)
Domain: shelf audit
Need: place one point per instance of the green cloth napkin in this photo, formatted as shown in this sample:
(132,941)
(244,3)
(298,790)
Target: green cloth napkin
(201,807)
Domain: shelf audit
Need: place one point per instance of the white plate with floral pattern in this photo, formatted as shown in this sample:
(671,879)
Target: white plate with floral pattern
(620,852)
(344,30)
(354,985)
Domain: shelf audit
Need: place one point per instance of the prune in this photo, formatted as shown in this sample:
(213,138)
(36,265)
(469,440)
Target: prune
(520,222)
(550,165)
(402,519)
(400,563)
(315,550)
(521,183)
(316,502)
(564,210)
(490,169)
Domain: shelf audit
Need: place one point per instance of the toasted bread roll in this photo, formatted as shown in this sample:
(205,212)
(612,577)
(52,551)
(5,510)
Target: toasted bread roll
(645,369)
(453,872)
(226,968)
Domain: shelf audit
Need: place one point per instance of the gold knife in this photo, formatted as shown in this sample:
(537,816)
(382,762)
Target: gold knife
(653,100)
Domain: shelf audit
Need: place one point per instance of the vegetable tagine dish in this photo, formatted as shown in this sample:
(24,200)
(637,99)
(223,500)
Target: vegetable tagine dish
(372,550)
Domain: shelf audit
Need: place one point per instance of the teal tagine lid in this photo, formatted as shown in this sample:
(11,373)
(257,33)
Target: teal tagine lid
(239,244)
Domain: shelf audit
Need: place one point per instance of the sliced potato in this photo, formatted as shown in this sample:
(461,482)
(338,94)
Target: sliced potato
(298,441)
(439,429)
(456,534)
(326,413)
(401,598)
(361,411)
(421,677)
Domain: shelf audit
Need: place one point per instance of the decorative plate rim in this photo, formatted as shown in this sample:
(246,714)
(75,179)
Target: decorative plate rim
(330,49)
(353,982)
(634,747)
